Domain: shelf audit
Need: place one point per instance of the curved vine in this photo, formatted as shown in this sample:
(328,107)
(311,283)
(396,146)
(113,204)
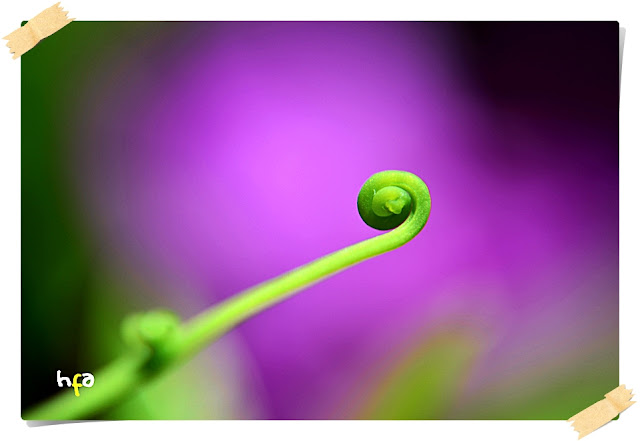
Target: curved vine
(389,200)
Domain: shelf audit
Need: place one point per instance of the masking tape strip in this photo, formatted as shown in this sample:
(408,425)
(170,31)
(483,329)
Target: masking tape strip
(600,413)
(47,22)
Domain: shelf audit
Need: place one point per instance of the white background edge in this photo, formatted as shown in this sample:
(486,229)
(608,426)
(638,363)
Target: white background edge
(627,427)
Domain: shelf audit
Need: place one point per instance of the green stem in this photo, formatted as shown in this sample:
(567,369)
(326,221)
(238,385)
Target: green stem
(387,200)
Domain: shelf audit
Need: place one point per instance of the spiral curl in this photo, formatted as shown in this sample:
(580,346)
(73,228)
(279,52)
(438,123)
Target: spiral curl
(387,198)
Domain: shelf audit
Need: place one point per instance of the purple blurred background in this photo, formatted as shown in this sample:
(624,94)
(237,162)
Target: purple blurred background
(214,156)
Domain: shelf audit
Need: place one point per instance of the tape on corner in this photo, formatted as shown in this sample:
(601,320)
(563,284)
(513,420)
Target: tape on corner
(46,23)
(600,413)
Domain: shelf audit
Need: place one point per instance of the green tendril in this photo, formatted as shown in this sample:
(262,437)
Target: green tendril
(156,340)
